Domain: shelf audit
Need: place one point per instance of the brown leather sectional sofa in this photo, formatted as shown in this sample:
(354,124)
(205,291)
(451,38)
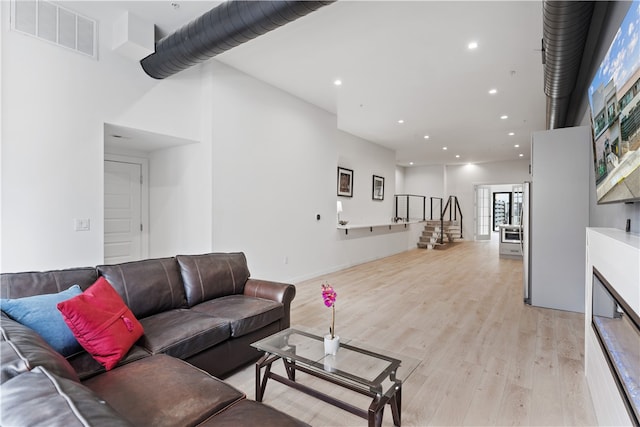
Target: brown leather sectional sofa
(199,314)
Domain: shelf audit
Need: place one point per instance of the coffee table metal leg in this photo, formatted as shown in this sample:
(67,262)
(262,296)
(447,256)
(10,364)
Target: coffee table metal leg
(376,412)
(396,406)
(290,367)
(261,380)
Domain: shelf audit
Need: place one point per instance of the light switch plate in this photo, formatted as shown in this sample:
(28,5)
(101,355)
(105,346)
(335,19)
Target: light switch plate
(82,224)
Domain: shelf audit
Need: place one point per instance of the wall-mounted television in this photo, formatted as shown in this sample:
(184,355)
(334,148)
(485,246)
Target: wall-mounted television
(614,99)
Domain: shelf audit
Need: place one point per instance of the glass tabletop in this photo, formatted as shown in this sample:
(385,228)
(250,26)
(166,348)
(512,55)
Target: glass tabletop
(357,363)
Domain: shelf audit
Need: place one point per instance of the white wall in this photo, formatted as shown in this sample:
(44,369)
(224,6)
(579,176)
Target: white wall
(460,180)
(425,180)
(400,172)
(366,159)
(275,162)
(428,181)
(180,200)
(52,142)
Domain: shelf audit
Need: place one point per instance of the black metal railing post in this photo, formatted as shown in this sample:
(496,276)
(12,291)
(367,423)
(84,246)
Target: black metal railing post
(442,224)
(396,211)
(459,210)
(407,217)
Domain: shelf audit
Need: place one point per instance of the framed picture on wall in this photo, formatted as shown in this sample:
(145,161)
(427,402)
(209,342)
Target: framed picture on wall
(345,182)
(378,188)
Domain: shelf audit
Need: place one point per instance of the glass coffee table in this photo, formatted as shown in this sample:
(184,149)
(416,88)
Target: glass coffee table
(357,367)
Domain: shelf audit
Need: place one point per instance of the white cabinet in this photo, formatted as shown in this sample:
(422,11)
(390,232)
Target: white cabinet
(510,241)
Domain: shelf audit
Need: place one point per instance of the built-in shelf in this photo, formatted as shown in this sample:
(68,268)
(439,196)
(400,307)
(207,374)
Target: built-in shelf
(390,224)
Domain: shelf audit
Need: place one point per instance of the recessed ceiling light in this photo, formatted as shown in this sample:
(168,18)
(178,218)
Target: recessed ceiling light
(401,121)
(337,82)
(426,137)
(493,91)
(521,155)
(444,148)
(517,146)
(472,45)
(410,163)
(504,117)
(511,133)
(457,156)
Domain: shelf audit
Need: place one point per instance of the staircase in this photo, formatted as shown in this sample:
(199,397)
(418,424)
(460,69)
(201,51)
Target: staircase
(434,229)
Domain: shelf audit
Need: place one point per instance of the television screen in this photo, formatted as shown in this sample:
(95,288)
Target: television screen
(614,98)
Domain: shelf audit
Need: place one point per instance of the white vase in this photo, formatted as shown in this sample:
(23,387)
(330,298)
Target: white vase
(331,345)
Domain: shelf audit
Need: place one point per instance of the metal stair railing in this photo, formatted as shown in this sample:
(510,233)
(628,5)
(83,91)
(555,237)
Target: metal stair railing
(439,199)
(453,207)
(407,197)
(431,199)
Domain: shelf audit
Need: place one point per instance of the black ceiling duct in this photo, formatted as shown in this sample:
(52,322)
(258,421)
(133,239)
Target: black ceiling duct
(565,29)
(226,26)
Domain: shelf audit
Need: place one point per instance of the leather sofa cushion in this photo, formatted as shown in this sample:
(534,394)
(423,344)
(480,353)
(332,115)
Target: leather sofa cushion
(86,366)
(163,391)
(19,285)
(248,412)
(147,287)
(22,349)
(245,314)
(40,398)
(213,275)
(182,333)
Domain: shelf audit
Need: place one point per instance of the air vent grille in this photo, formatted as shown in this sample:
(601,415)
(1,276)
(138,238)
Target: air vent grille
(55,24)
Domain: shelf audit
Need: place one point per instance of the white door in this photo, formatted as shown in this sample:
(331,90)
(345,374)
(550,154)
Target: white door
(122,212)
(483,212)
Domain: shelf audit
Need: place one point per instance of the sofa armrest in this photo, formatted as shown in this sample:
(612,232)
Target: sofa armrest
(275,291)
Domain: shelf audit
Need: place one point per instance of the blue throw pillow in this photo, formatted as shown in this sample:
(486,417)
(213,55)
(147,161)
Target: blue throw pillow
(40,313)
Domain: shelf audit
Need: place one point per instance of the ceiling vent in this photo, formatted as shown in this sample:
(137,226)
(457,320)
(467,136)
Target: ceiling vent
(55,24)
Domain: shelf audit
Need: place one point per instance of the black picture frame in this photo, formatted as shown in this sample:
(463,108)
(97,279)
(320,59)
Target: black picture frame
(345,182)
(377,188)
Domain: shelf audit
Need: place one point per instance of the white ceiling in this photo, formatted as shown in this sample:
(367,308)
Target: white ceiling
(399,60)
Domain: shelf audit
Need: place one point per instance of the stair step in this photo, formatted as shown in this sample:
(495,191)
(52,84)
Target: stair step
(434,245)
(429,234)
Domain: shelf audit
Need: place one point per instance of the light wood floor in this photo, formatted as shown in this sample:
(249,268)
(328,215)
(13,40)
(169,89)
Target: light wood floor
(487,359)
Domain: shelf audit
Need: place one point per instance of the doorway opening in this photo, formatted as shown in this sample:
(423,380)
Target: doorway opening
(126,208)
(129,191)
(496,205)
(501,209)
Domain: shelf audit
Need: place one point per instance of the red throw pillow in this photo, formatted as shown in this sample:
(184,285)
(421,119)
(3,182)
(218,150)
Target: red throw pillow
(102,323)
